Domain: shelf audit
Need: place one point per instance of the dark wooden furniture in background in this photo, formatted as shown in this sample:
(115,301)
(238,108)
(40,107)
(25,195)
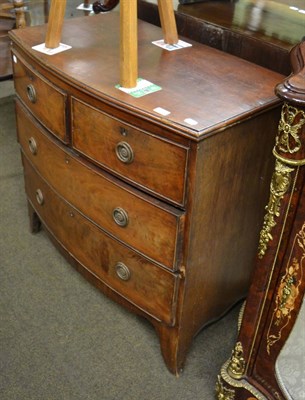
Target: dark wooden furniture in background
(157,200)
(278,284)
(261,32)
(104,5)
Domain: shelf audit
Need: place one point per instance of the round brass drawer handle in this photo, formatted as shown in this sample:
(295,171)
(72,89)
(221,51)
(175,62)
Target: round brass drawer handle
(39,197)
(31,92)
(122,271)
(33,146)
(124,152)
(120,216)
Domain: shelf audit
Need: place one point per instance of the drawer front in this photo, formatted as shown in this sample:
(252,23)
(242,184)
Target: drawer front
(144,284)
(137,156)
(43,99)
(152,228)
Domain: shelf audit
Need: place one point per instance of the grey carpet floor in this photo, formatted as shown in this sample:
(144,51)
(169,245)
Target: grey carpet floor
(60,338)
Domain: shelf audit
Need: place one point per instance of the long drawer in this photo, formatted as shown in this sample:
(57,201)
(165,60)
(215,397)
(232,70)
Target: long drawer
(150,162)
(151,227)
(46,101)
(149,287)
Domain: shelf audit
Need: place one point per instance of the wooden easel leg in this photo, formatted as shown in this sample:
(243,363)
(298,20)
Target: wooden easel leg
(128,43)
(168,22)
(56,19)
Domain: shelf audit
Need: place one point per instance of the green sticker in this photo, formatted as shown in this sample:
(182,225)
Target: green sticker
(143,88)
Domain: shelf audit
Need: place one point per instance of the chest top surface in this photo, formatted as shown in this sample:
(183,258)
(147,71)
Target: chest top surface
(198,83)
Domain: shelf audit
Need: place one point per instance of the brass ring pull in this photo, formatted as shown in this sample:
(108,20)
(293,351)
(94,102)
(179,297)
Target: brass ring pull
(120,217)
(39,197)
(124,152)
(122,271)
(33,146)
(31,92)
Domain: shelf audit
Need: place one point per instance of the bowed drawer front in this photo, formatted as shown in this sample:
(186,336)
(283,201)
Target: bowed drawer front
(146,285)
(45,100)
(143,223)
(133,154)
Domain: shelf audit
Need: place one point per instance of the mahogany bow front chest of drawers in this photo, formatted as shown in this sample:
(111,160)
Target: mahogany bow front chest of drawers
(161,211)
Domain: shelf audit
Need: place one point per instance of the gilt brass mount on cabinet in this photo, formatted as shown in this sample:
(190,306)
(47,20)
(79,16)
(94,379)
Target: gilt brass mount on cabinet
(161,213)
(276,295)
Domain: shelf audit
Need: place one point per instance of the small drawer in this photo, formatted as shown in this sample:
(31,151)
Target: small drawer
(156,164)
(151,227)
(44,100)
(147,286)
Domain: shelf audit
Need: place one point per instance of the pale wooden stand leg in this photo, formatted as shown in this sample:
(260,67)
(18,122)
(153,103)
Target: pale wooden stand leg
(168,22)
(56,19)
(128,44)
